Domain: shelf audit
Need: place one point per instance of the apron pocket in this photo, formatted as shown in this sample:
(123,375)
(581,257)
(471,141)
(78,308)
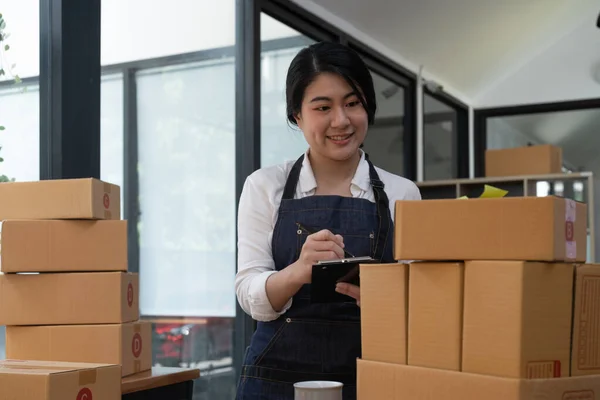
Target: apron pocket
(313,345)
(359,243)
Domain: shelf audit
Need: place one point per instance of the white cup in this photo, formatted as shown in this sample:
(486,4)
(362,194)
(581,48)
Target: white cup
(318,390)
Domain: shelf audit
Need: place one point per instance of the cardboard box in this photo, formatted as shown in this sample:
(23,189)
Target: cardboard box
(528,160)
(517,319)
(60,199)
(383,310)
(512,228)
(37,380)
(69,298)
(63,245)
(401,382)
(585,356)
(128,345)
(435,307)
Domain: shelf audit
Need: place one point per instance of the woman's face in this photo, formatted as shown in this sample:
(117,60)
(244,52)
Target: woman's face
(333,120)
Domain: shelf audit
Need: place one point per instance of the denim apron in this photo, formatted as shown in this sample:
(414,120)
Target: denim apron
(315,341)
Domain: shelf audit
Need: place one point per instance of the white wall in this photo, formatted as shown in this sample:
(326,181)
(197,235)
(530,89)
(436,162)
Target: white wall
(562,72)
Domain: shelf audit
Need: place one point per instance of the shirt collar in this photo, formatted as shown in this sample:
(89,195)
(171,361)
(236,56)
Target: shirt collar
(307,182)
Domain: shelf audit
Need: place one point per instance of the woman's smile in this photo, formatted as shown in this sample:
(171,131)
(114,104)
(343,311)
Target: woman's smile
(341,139)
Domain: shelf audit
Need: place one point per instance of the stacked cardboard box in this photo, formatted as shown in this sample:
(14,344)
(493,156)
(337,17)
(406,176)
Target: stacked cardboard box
(528,160)
(65,293)
(43,380)
(497,307)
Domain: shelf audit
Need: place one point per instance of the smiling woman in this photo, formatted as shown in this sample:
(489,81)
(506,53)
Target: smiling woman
(335,190)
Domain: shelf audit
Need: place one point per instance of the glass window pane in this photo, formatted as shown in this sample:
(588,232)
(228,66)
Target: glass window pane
(439,140)
(142,29)
(186,172)
(385,140)
(280,140)
(23,27)
(20,140)
(111,131)
(19,104)
(186,145)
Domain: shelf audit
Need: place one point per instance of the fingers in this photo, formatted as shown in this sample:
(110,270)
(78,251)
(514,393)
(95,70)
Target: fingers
(349,290)
(328,246)
(325,235)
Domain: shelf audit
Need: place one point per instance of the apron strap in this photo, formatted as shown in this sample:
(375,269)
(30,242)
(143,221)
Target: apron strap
(292,181)
(383,213)
(381,200)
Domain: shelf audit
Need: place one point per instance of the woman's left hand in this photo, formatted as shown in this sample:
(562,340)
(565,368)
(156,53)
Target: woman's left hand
(349,290)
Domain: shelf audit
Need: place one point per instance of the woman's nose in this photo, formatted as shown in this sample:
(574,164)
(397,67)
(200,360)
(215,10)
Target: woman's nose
(340,118)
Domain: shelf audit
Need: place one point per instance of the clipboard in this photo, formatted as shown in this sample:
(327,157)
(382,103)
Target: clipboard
(326,274)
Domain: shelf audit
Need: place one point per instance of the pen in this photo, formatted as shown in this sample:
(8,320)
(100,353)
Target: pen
(347,254)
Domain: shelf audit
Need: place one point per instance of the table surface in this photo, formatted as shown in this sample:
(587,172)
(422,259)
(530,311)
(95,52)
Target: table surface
(157,377)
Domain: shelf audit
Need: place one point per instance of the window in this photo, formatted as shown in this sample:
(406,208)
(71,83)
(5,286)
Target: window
(439,140)
(185,95)
(385,140)
(111,131)
(20,141)
(280,141)
(19,104)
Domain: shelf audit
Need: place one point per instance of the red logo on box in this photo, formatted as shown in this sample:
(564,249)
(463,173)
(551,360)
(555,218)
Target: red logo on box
(84,394)
(130,295)
(569,231)
(136,345)
(106,201)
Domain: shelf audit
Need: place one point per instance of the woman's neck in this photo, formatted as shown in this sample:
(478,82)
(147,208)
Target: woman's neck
(333,177)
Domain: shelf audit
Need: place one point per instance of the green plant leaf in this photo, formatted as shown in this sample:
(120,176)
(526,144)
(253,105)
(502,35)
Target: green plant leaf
(1,159)
(17,79)
(1,71)
(1,129)
(6,47)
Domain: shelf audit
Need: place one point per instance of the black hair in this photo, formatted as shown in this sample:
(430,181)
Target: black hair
(334,58)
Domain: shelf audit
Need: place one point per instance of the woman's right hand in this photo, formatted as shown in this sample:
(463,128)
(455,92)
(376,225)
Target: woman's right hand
(320,246)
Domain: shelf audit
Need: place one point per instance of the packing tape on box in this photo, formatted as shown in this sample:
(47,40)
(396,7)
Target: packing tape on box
(137,366)
(137,327)
(490,192)
(87,377)
(570,216)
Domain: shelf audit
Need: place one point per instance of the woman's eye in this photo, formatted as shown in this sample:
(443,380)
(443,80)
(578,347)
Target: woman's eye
(322,108)
(353,103)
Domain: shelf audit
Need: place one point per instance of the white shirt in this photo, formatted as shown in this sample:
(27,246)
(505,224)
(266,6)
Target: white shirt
(258,209)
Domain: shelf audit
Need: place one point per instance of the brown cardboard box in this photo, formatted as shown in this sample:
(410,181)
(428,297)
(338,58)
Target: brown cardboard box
(512,228)
(383,304)
(128,345)
(70,298)
(402,382)
(517,319)
(585,356)
(529,160)
(37,380)
(435,307)
(63,245)
(60,199)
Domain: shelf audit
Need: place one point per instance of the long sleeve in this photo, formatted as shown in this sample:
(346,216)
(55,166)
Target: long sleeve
(255,259)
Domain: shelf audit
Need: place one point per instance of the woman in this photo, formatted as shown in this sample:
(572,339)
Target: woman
(331,200)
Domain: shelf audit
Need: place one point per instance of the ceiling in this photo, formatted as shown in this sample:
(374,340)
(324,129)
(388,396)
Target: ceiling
(493,53)
(468,45)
